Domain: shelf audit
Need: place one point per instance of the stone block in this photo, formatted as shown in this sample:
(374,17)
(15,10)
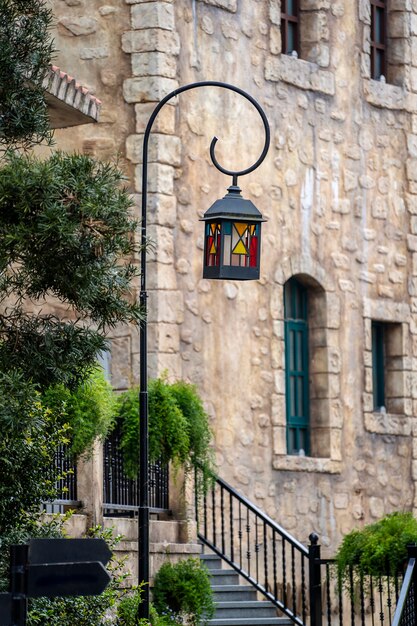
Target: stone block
(336,444)
(227,5)
(399,52)
(279,435)
(164,122)
(319,361)
(148,88)
(160,178)
(154,64)
(161,249)
(275,12)
(278,411)
(161,276)
(164,149)
(151,40)
(77,26)
(314,27)
(164,337)
(161,209)
(398,24)
(120,364)
(299,73)
(166,307)
(153,15)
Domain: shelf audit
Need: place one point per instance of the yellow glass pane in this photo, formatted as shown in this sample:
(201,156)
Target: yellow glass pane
(240,228)
(213,249)
(212,228)
(239,248)
(252,229)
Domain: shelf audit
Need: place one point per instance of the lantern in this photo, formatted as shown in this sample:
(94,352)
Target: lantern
(232,242)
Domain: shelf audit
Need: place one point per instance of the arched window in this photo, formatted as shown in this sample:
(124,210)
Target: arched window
(297,367)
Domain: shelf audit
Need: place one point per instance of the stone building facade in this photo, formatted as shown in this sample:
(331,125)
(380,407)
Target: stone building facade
(339,191)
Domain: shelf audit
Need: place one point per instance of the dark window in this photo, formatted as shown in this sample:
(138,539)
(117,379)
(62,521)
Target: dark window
(289,26)
(296,367)
(378,39)
(378,364)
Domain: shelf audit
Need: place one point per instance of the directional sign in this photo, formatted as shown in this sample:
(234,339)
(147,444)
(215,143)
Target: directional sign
(66,579)
(5,609)
(43,551)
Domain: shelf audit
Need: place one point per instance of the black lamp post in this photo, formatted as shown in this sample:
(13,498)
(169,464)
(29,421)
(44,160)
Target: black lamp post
(231,251)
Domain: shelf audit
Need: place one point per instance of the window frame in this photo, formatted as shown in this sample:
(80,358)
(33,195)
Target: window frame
(288,19)
(379,47)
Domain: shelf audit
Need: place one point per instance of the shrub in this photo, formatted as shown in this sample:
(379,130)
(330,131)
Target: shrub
(184,589)
(30,434)
(89,409)
(178,427)
(378,548)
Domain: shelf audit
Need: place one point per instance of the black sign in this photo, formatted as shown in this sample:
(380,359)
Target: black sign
(44,551)
(66,579)
(5,609)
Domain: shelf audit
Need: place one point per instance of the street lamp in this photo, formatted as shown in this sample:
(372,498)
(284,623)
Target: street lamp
(231,251)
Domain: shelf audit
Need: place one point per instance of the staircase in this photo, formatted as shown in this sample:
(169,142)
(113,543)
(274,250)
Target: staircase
(237,604)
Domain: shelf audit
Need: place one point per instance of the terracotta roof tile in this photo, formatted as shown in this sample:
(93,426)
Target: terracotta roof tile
(65,88)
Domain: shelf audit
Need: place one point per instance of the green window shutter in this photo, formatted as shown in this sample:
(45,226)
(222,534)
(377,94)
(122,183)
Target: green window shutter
(378,364)
(296,368)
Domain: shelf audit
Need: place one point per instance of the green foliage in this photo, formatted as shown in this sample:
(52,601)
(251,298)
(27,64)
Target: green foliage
(377,548)
(89,409)
(30,434)
(184,589)
(168,437)
(201,453)
(65,229)
(25,54)
(178,427)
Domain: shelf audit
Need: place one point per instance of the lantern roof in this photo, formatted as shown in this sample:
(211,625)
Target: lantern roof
(233,207)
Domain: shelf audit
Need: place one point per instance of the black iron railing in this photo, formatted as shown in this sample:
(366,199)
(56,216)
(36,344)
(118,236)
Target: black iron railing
(256,547)
(406,611)
(295,578)
(121,494)
(361,600)
(66,488)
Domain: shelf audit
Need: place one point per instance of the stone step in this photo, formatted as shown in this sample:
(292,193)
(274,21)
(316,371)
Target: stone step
(250,621)
(235,593)
(224,577)
(211,561)
(237,604)
(254,608)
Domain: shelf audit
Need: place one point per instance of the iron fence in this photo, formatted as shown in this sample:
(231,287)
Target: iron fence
(66,487)
(121,493)
(362,600)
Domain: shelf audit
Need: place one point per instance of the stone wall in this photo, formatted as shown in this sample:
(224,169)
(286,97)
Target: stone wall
(339,190)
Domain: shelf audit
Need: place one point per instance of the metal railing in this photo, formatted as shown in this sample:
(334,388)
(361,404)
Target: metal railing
(295,578)
(273,561)
(406,611)
(121,493)
(362,600)
(66,487)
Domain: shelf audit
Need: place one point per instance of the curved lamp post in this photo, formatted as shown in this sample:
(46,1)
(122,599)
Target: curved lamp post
(231,251)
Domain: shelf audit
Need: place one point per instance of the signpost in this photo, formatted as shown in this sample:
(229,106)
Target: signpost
(50,568)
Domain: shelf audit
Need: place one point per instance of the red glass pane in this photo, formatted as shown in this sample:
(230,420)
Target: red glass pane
(253,252)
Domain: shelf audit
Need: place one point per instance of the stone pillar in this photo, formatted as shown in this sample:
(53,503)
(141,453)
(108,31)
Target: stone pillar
(182,504)
(153,44)
(90,484)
